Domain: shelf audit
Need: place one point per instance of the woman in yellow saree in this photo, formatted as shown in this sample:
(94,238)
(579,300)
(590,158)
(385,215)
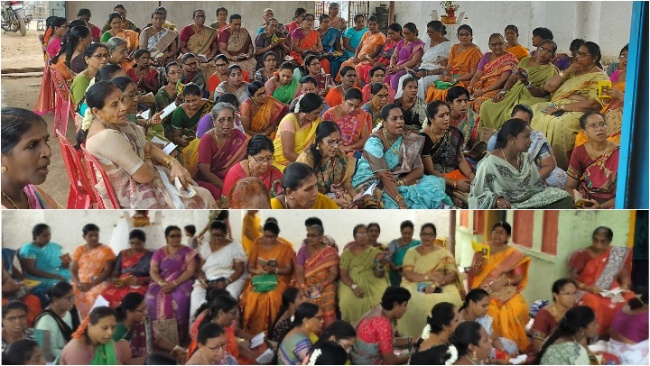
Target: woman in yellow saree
(512,45)
(461,65)
(574,91)
(197,38)
(251,229)
(492,72)
(503,273)
(260,113)
(431,276)
(363,277)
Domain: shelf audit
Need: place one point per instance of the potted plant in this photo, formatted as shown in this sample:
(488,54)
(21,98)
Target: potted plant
(450,9)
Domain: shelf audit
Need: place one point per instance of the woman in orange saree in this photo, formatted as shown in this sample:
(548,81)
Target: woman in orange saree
(317,268)
(512,46)
(368,51)
(503,273)
(306,38)
(601,267)
(461,65)
(260,113)
(492,72)
(271,267)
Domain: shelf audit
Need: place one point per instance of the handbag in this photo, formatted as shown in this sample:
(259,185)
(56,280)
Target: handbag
(168,329)
(264,283)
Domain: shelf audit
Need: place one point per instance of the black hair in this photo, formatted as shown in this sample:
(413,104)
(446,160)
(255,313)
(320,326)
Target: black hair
(306,310)
(465,27)
(625,48)
(513,28)
(637,303)
(138,234)
(208,331)
(38,229)
(272,226)
(375,69)
(339,329)
(311,221)
(357,228)
(259,143)
(307,80)
(230,99)
(112,16)
(232,67)
(16,122)
(84,11)
(289,296)
(99,313)
(407,80)
(268,21)
(455,92)
(395,27)
(122,82)
(374,224)
(170,228)
(504,225)
(385,111)
(222,303)
(474,296)
(96,97)
(346,69)
(119,6)
(331,353)
(59,290)
(522,108)
(307,15)
(467,333)
(69,42)
(190,229)
(218,225)
(186,57)
(192,89)
(437,26)
(159,359)
(210,295)
(310,102)
(353,94)
(89,228)
(359,16)
(511,128)
(222,9)
(551,42)
(594,50)
(431,226)
(130,302)
(196,11)
(234,16)
(323,17)
(140,52)
(495,35)
(223,57)
(19,352)
(13,305)
(324,129)
(543,33)
(585,116)
(609,234)
(91,48)
(299,12)
(287,65)
(105,73)
(307,62)
(169,66)
(559,285)
(77,23)
(373,18)
(441,315)
(394,296)
(270,53)
(253,87)
(405,224)
(158,12)
(376,87)
(412,28)
(575,44)
(295,175)
(433,107)
(575,318)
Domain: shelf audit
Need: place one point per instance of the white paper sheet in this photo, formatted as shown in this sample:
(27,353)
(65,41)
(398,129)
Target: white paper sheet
(168,110)
(258,340)
(266,357)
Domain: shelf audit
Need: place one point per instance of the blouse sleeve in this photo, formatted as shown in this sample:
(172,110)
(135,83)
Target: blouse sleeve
(115,147)
(345,259)
(576,168)
(374,153)
(28,251)
(287,124)
(238,254)
(76,255)
(186,33)
(224,36)
(428,145)
(541,327)
(385,333)
(301,257)
(483,61)
(409,259)
(105,37)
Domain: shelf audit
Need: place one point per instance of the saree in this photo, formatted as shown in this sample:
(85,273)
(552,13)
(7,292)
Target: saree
(269,113)
(47,259)
(369,42)
(322,203)
(561,131)
(329,39)
(317,270)
(282,93)
(38,199)
(272,179)
(129,36)
(293,350)
(237,43)
(45,100)
(91,264)
(430,61)
(375,117)
(439,261)
(360,269)
(354,36)
(198,43)
(602,271)
(129,266)
(492,71)
(523,187)
(159,42)
(518,51)
(76,353)
(304,41)
(260,309)
(176,304)
(507,308)
(415,117)
(458,63)
(596,178)
(446,152)
(400,159)
(220,159)
(404,54)
(350,125)
(140,338)
(181,121)
(252,224)
(374,337)
(566,353)
(264,40)
(303,137)
(540,150)
(332,173)
(494,114)
(397,253)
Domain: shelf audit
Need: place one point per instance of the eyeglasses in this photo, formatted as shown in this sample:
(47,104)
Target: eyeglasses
(464,35)
(427,234)
(382,96)
(130,95)
(547,51)
(595,126)
(622,57)
(199,16)
(173,73)
(496,44)
(101,56)
(192,63)
(582,54)
(314,64)
(262,159)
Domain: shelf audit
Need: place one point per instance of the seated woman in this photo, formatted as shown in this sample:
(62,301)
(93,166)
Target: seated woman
(53,37)
(131,98)
(512,44)
(173,269)
(128,159)
(593,166)
(143,73)
(331,41)
(414,108)
(312,68)
(43,260)
(92,343)
(431,276)
(294,348)
(234,85)
(270,42)
(185,118)
(368,51)
(297,130)
(353,123)
(566,346)
(508,177)
(168,94)
(363,276)
(442,154)
(283,86)
(14,324)
(463,117)
(60,319)
(91,267)
(211,347)
(160,41)
(392,156)
(439,328)
(317,269)
(219,149)
(471,345)
(629,332)
(95,56)
(134,328)
(397,249)
(377,74)
(15,288)
(258,163)
(268,68)
(587,267)
(352,36)
(222,63)
(504,275)
(271,267)
(198,38)
(206,123)
(375,335)
(523,87)
(117,30)
(547,319)
(24,352)
(301,190)
(222,266)
(492,72)
(260,113)
(379,98)
(305,38)
(235,42)
(131,270)
(393,37)
(333,169)
(461,65)
(292,297)
(573,92)
(70,60)
(407,55)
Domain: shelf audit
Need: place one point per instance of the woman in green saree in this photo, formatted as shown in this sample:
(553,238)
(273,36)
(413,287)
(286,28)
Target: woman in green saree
(186,116)
(398,249)
(574,91)
(283,86)
(363,277)
(523,87)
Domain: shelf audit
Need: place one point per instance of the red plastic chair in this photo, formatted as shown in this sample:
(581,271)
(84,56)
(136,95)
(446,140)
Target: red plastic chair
(94,167)
(79,196)
(63,106)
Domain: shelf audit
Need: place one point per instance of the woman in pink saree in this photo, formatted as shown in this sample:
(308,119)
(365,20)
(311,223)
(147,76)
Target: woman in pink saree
(306,38)
(408,53)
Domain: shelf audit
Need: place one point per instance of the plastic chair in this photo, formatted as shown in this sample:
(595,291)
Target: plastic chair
(63,106)
(94,167)
(79,196)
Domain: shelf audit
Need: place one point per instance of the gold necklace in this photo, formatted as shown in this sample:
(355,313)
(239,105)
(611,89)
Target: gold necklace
(390,143)
(10,200)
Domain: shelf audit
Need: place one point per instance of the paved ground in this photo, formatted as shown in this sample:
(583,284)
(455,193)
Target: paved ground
(20,52)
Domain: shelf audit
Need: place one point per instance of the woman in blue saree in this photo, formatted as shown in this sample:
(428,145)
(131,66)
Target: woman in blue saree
(331,40)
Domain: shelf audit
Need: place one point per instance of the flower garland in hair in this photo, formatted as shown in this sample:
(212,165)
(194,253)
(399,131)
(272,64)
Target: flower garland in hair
(453,355)
(88,119)
(314,356)
(426,332)
(297,109)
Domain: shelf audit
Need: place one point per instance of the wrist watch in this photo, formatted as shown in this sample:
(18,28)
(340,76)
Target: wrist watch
(354,286)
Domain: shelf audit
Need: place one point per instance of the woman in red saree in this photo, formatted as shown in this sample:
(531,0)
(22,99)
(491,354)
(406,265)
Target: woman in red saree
(260,113)
(219,149)
(594,165)
(504,275)
(601,267)
(306,38)
(492,72)
(317,268)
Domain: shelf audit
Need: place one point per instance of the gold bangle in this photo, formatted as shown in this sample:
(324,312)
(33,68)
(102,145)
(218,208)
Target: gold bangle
(169,161)
(398,198)
(562,75)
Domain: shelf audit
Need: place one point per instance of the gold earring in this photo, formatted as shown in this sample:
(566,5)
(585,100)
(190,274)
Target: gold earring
(474,355)
(4,169)
(292,197)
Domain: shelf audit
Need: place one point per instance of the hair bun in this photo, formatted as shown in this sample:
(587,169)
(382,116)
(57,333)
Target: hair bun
(443,30)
